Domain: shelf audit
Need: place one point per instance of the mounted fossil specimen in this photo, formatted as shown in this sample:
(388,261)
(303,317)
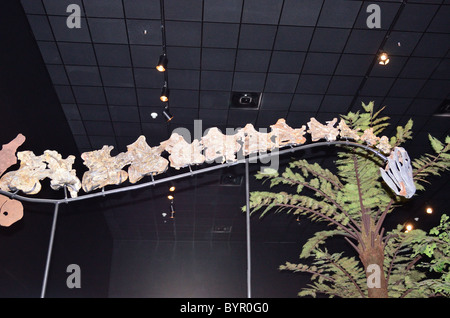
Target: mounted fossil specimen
(255,141)
(283,135)
(183,153)
(145,160)
(11,211)
(217,145)
(369,138)
(319,131)
(61,173)
(384,145)
(27,179)
(103,169)
(8,153)
(398,173)
(346,132)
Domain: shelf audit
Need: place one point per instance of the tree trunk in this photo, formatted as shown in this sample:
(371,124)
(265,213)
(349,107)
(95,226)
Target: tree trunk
(372,257)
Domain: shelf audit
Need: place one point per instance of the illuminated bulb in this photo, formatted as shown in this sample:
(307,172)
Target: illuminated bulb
(162,63)
(409,227)
(383,59)
(170,197)
(429,210)
(172,188)
(161,68)
(164,93)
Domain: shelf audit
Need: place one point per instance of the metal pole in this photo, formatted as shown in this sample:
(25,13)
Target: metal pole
(247,194)
(50,247)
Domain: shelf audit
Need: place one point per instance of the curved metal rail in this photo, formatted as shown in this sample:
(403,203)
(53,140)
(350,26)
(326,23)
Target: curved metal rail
(187,174)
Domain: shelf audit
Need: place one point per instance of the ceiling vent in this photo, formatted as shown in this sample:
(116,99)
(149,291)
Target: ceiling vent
(444,109)
(221,229)
(245,100)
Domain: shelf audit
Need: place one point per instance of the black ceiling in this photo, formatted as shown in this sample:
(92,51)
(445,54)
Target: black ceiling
(307,58)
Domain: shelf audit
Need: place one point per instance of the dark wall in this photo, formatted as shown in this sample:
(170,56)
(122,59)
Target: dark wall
(202,270)
(29,105)
(82,238)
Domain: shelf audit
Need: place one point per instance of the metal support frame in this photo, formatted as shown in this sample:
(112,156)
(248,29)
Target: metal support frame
(191,173)
(247,219)
(50,248)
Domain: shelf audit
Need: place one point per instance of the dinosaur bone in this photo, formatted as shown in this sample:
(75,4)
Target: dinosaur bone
(8,153)
(346,132)
(218,145)
(27,178)
(11,211)
(320,131)
(284,135)
(61,172)
(103,169)
(369,138)
(255,141)
(145,160)
(398,173)
(183,153)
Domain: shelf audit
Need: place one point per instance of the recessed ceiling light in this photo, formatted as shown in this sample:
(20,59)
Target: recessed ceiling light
(154,115)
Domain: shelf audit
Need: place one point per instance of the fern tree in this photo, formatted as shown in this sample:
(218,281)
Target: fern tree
(354,202)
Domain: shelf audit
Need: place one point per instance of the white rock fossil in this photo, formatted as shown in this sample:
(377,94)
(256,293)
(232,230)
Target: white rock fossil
(103,169)
(346,132)
(369,138)
(384,145)
(61,172)
(183,153)
(27,178)
(145,160)
(398,173)
(219,145)
(283,135)
(255,141)
(319,131)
